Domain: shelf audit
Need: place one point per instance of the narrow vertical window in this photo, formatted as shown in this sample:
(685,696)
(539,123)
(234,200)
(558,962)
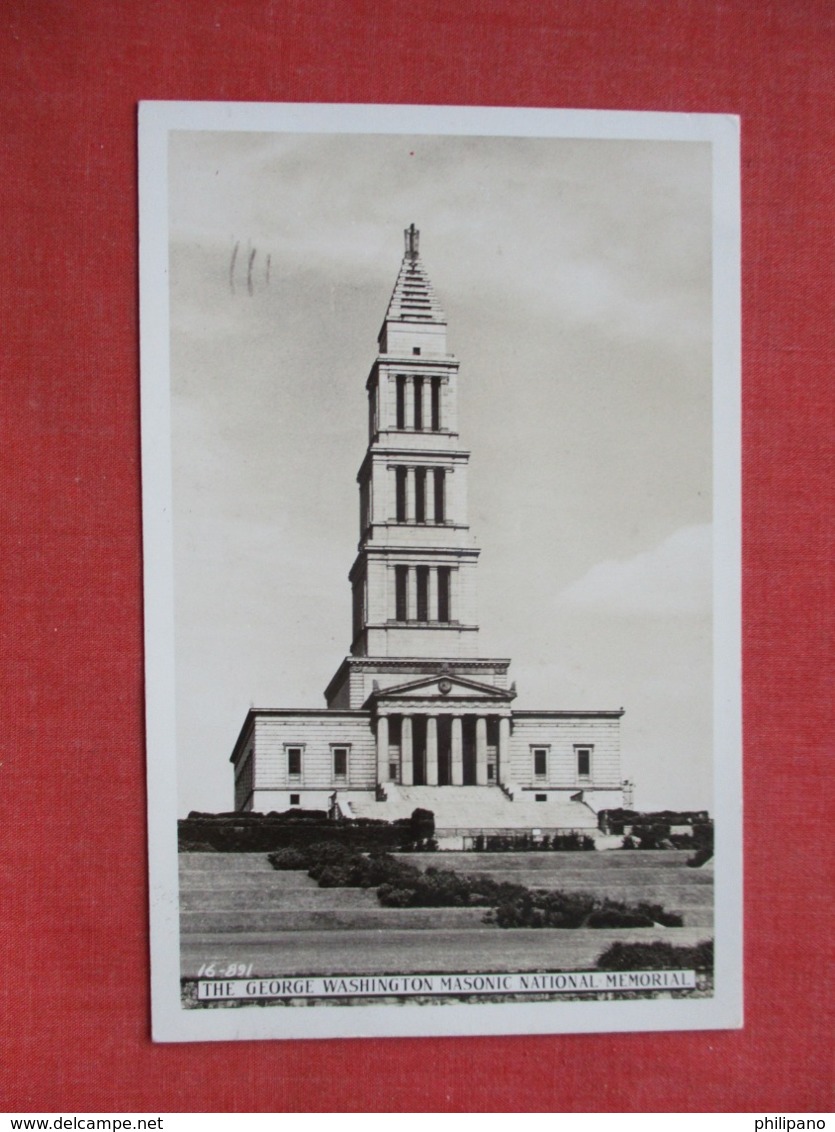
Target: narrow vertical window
(583,762)
(440,512)
(400,494)
(401,574)
(420,495)
(364,506)
(294,762)
(443,593)
(436,404)
(372,410)
(540,762)
(340,762)
(358,610)
(401,401)
(423,593)
(418,387)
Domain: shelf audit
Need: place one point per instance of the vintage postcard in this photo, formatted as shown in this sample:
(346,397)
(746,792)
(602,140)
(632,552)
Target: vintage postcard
(440,428)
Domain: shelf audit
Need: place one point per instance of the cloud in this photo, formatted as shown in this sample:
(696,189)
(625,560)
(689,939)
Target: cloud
(672,579)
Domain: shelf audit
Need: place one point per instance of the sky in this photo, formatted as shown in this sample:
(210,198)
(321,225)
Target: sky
(576,279)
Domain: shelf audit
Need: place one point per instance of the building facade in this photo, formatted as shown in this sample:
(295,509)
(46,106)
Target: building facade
(415,716)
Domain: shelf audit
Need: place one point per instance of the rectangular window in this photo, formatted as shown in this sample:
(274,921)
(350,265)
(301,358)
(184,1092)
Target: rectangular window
(541,797)
(401,401)
(401,574)
(418,385)
(491,772)
(359,606)
(400,494)
(295,799)
(423,593)
(340,762)
(294,762)
(420,495)
(436,404)
(392,772)
(440,511)
(443,593)
(415,349)
(583,762)
(540,762)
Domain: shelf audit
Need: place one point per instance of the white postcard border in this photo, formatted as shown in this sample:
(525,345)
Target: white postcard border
(170,1021)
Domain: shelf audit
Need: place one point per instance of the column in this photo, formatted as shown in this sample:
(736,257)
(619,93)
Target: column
(406,763)
(409,405)
(433,593)
(432,751)
(431,517)
(504,750)
(426,408)
(411,593)
(457,752)
(481,750)
(447,416)
(410,495)
(382,749)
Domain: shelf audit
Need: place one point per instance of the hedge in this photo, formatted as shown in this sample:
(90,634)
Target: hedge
(403,885)
(262,833)
(657,956)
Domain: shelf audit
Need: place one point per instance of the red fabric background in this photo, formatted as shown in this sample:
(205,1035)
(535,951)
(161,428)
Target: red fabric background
(75,973)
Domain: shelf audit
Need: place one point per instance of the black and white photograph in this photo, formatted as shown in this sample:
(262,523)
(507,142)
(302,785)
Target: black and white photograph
(440,431)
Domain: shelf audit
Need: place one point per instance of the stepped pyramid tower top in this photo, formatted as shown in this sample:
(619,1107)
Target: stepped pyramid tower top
(414,577)
(413,298)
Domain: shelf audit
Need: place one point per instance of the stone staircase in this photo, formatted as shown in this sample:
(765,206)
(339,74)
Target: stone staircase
(468,809)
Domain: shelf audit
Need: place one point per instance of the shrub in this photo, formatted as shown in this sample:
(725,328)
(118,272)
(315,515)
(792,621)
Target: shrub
(288,859)
(656,956)
(403,885)
(572,842)
(614,918)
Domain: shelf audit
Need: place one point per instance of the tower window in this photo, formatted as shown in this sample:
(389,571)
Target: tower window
(418,387)
(423,593)
(415,349)
(400,494)
(401,401)
(340,762)
(540,762)
(436,404)
(401,574)
(443,593)
(420,495)
(372,409)
(294,762)
(583,761)
(440,512)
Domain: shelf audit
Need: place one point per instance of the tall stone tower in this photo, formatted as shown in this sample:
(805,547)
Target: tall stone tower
(415,717)
(414,577)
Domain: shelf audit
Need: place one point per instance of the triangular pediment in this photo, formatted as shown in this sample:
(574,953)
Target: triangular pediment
(442,686)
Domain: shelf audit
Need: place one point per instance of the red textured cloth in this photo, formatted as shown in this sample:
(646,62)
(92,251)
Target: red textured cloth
(75,986)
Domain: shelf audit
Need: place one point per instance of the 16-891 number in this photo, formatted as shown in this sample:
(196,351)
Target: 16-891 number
(218,971)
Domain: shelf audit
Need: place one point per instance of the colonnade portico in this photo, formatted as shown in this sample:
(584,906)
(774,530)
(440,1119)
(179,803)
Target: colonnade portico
(442,756)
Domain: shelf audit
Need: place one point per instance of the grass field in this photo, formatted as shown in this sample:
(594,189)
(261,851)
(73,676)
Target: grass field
(237,909)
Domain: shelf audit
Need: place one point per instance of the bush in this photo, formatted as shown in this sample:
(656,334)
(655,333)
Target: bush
(403,885)
(614,918)
(288,859)
(656,956)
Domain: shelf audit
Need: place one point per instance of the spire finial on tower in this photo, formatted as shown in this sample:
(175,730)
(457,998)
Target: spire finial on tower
(412,237)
